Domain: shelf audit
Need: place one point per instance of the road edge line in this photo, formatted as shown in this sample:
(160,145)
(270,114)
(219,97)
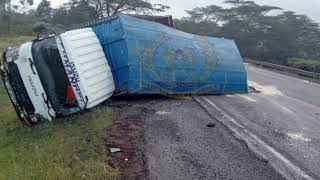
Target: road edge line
(261,149)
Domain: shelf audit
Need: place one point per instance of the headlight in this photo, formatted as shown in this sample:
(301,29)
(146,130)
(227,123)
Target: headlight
(12,54)
(2,59)
(2,63)
(1,66)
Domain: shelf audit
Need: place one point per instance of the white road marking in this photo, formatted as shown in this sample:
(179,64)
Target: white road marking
(162,112)
(311,106)
(278,161)
(281,107)
(226,115)
(298,137)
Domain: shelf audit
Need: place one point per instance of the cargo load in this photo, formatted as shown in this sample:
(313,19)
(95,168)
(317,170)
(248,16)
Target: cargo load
(150,58)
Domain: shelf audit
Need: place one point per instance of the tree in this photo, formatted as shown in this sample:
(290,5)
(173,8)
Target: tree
(44,11)
(273,37)
(74,13)
(2,8)
(211,13)
(6,8)
(202,20)
(60,16)
(205,28)
(110,7)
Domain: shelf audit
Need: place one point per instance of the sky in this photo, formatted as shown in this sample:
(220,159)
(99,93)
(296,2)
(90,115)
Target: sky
(310,8)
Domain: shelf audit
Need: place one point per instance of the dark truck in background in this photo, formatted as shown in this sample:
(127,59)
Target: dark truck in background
(165,20)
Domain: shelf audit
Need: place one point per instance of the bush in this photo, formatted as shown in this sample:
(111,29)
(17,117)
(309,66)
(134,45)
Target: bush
(305,64)
(21,25)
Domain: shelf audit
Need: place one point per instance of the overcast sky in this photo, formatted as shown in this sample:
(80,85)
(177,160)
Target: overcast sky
(178,7)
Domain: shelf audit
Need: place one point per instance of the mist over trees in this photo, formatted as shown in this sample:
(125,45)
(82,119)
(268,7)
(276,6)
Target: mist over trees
(262,32)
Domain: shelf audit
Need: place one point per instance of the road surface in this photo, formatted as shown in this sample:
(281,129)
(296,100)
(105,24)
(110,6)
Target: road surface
(179,145)
(285,115)
(273,134)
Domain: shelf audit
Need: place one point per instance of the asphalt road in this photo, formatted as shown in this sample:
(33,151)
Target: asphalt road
(179,145)
(257,135)
(284,115)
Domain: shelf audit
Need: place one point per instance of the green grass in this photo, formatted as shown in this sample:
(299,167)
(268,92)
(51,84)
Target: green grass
(13,41)
(70,148)
(305,64)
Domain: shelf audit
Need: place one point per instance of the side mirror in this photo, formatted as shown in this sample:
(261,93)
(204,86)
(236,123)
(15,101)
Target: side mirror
(40,28)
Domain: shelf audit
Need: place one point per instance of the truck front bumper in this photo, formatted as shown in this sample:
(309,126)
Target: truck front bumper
(14,96)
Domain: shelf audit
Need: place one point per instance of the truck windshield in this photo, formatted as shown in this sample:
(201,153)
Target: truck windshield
(51,72)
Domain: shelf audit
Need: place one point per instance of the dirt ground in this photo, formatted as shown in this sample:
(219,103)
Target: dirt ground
(127,133)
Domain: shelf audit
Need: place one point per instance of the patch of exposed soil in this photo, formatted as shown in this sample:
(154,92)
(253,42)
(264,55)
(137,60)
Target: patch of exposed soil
(127,133)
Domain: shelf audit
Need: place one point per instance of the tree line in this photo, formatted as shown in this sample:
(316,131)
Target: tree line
(16,13)
(262,32)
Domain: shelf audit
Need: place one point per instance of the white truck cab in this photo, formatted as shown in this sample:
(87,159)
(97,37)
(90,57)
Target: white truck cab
(57,76)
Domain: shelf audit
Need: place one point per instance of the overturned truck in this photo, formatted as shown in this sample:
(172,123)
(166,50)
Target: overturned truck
(63,74)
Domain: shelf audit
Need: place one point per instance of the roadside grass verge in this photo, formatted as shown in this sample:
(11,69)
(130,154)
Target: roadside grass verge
(71,148)
(12,41)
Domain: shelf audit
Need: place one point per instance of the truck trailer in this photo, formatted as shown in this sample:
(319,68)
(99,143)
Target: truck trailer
(62,74)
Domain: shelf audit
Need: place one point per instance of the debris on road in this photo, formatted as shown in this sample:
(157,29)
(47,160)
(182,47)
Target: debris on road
(266,90)
(211,125)
(114,150)
(252,89)
(127,134)
(76,157)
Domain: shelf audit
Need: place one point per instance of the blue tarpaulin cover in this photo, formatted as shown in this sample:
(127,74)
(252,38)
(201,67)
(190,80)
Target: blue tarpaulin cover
(151,58)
